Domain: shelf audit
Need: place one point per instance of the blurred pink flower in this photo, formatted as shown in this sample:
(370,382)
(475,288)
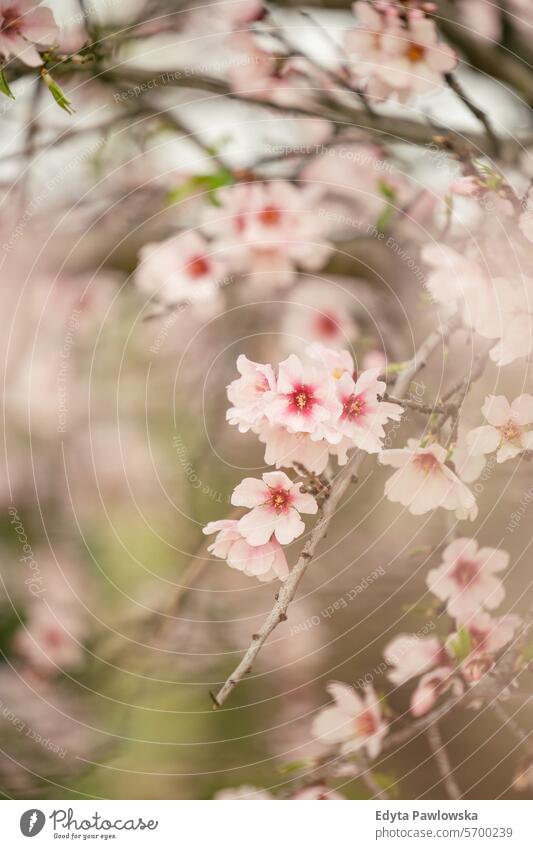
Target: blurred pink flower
(397,55)
(264,562)
(424,481)
(507,432)
(430,687)
(465,580)
(354,721)
(411,655)
(26,26)
(249,393)
(276,503)
(318,311)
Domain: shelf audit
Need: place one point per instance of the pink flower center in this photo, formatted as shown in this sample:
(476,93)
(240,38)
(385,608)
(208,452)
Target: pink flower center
(426,463)
(279,499)
(10,21)
(326,325)
(353,407)
(510,431)
(270,216)
(366,724)
(52,638)
(465,572)
(415,52)
(301,399)
(198,266)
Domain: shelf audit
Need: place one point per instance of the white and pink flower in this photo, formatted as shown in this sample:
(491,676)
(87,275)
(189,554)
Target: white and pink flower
(249,393)
(466,578)
(354,721)
(410,655)
(508,431)
(25,28)
(284,449)
(264,562)
(276,503)
(269,229)
(182,269)
(363,413)
(423,480)
(397,53)
(305,401)
(430,687)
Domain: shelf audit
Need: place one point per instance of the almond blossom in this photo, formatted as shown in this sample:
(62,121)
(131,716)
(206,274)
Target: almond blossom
(354,721)
(465,580)
(276,503)
(249,393)
(181,269)
(486,638)
(508,432)
(430,687)
(423,480)
(411,655)
(284,449)
(26,27)
(264,562)
(305,401)
(317,311)
(397,52)
(363,413)
(267,74)
(269,229)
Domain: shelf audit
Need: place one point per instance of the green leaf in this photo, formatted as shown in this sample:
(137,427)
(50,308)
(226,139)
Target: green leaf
(209,182)
(295,766)
(57,92)
(461,644)
(527,653)
(4,85)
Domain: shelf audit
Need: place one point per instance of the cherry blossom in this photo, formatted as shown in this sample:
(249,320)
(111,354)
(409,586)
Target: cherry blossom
(355,721)
(397,54)
(363,413)
(318,312)
(49,640)
(249,393)
(276,503)
(465,580)
(26,27)
(283,449)
(423,480)
(430,688)
(507,431)
(264,562)
(181,269)
(411,655)
(269,230)
(486,637)
(305,401)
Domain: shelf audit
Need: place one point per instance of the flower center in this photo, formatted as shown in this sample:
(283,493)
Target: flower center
(53,638)
(10,21)
(465,572)
(270,216)
(510,431)
(198,266)
(353,407)
(326,325)
(426,463)
(415,52)
(366,724)
(301,399)
(279,499)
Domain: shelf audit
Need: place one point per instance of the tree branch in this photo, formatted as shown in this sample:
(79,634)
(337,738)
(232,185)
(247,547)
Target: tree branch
(440,754)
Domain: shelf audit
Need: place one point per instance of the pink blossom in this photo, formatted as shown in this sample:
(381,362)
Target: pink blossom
(465,580)
(49,640)
(363,414)
(318,312)
(336,362)
(488,635)
(507,432)
(395,55)
(182,269)
(264,562)
(249,393)
(26,27)
(305,401)
(317,792)
(411,655)
(424,481)
(467,466)
(276,503)
(269,229)
(283,449)
(354,721)
(430,688)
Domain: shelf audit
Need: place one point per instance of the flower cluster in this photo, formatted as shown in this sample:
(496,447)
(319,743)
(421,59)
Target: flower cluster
(396,51)
(311,410)
(265,231)
(466,581)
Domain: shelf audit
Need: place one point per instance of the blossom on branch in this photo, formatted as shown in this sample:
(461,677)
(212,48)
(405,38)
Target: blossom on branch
(354,721)
(26,27)
(276,503)
(264,562)
(465,580)
(508,431)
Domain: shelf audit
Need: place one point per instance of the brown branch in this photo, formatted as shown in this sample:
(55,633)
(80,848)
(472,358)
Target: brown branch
(438,750)
(453,83)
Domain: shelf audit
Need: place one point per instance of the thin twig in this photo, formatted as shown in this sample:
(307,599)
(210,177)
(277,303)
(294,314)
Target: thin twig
(442,760)
(482,117)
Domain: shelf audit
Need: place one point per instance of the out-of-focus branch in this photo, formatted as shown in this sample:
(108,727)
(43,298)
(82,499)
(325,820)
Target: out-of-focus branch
(453,83)
(438,750)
